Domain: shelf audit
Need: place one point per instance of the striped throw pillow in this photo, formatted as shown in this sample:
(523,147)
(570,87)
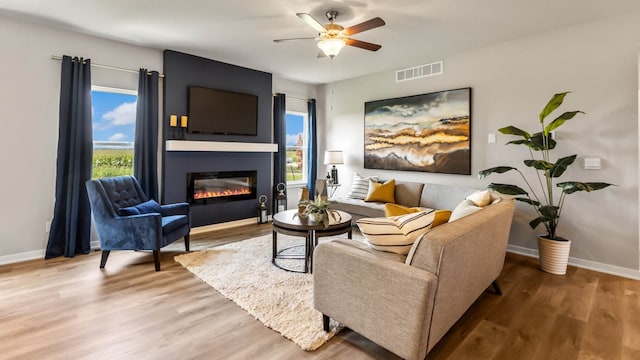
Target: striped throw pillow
(360,187)
(396,234)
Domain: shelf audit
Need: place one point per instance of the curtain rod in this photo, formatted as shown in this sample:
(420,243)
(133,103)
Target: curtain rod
(55,57)
(292,97)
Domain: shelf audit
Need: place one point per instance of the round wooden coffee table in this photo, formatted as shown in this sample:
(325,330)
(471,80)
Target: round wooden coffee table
(289,223)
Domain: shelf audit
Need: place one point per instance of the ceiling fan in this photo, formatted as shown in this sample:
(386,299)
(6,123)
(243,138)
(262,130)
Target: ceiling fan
(333,37)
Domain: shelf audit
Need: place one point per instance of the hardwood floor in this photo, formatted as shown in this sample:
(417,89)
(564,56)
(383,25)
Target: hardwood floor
(70,309)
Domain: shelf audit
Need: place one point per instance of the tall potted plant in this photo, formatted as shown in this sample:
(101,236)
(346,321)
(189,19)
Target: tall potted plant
(553,249)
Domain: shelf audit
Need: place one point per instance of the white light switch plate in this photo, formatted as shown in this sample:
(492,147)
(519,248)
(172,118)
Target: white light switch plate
(492,138)
(592,163)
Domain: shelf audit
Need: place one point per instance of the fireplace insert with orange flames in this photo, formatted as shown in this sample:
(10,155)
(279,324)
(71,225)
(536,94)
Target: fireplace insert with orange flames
(211,187)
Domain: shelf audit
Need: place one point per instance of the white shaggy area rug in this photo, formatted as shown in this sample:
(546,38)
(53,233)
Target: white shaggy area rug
(281,300)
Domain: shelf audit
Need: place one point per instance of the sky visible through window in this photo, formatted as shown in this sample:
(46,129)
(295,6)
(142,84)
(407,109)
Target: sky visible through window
(114,116)
(295,124)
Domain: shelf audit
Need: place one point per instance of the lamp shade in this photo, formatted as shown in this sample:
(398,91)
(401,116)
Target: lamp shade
(332,157)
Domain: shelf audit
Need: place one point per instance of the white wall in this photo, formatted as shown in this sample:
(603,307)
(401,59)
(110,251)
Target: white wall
(511,83)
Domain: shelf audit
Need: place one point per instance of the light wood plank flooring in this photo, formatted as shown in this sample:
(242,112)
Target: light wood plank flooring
(70,309)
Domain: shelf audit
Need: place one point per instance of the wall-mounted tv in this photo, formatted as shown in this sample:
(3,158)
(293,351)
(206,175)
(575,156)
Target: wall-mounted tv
(213,111)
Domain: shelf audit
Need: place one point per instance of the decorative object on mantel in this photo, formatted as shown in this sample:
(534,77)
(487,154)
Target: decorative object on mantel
(281,300)
(553,249)
(280,200)
(262,209)
(183,126)
(333,157)
(428,132)
(173,125)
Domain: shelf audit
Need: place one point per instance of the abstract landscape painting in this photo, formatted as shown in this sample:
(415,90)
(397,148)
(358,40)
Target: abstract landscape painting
(428,132)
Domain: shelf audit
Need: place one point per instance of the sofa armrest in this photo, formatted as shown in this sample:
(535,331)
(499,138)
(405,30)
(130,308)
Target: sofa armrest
(176,209)
(385,300)
(135,232)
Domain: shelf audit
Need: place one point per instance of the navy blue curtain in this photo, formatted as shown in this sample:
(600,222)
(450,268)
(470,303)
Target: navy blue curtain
(312,155)
(145,153)
(71,226)
(280,138)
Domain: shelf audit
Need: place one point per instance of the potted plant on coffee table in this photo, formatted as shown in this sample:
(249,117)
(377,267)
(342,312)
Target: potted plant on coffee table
(553,249)
(319,211)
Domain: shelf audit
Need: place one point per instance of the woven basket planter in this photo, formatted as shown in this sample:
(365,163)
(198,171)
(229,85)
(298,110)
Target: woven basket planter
(554,255)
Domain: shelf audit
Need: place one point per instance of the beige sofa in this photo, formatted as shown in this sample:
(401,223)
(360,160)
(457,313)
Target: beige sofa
(434,196)
(406,304)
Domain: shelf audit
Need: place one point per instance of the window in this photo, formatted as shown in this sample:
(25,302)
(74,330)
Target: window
(297,148)
(114,119)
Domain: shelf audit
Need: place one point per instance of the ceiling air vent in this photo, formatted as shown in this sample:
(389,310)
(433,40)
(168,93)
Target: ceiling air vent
(418,72)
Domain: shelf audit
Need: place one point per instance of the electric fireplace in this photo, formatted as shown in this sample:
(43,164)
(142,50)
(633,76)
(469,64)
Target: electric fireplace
(212,187)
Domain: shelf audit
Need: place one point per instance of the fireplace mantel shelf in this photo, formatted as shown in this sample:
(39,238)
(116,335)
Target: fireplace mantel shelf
(186,145)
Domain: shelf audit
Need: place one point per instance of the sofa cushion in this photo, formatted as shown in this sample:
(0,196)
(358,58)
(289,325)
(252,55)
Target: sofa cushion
(359,187)
(395,234)
(359,207)
(147,207)
(408,193)
(381,192)
(396,210)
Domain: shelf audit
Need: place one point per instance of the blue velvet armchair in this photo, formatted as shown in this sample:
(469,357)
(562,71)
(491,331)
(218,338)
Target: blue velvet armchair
(127,220)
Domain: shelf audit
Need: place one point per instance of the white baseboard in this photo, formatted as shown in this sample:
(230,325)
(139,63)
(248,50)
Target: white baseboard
(581,263)
(24,256)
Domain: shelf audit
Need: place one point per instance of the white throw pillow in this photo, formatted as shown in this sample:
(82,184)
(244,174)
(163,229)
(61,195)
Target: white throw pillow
(360,187)
(480,198)
(395,234)
(465,208)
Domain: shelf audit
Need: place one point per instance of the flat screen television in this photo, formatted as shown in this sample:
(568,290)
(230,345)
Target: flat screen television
(213,111)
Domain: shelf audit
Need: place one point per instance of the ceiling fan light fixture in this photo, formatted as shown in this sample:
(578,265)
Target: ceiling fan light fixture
(331,47)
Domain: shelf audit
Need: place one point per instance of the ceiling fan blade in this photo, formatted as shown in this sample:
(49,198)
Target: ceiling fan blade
(311,21)
(363,44)
(290,39)
(367,25)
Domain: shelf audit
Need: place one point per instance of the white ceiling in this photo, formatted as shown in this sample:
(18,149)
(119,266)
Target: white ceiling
(241,31)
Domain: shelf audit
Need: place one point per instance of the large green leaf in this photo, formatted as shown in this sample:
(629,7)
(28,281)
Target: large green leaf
(498,169)
(528,201)
(539,164)
(553,104)
(561,165)
(507,189)
(560,120)
(569,187)
(512,130)
(538,140)
(537,221)
(549,212)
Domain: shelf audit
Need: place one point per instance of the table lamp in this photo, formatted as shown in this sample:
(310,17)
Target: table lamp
(333,157)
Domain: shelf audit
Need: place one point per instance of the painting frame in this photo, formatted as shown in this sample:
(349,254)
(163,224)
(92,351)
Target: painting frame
(428,132)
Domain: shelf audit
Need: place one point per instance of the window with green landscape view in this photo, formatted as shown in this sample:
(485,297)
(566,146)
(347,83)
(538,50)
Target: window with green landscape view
(297,148)
(114,119)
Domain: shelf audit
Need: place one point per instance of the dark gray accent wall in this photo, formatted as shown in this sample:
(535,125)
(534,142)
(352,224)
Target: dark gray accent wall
(182,70)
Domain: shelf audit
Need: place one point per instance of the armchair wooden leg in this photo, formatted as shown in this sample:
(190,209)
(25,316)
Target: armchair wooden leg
(156,259)
(325,323)
(186,242)
(105,255)
(496,288)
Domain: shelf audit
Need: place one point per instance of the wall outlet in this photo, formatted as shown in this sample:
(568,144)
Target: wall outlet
(47,226)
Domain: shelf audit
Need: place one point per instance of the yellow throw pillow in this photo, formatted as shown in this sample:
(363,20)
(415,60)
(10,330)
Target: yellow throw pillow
(381,192)
(441,217)
(397,210)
